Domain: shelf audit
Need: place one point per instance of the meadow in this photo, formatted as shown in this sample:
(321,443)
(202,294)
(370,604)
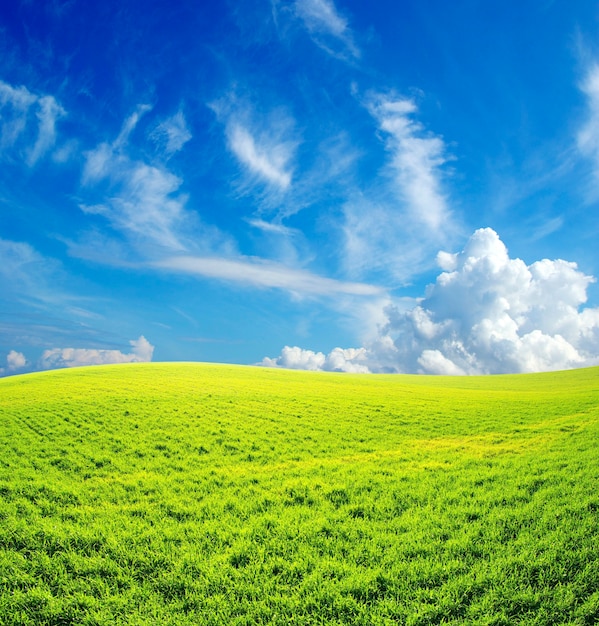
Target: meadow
(196,494)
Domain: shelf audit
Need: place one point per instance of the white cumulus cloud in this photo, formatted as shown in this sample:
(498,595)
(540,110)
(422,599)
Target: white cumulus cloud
(297,359)
(338,360)
(14,361)
(486,314)
(494,314)
(142,351)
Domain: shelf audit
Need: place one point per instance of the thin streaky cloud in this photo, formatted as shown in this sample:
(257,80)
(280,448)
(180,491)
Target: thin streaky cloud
(19,97)
(321,15)
(389,227)
(24,272)
(323,21)
(263,144)
(416,159)
(17,105)
(97,163)
(145,203)
(268,162)
(129,126)
(266,274)
(27,275)
(48,113)
(172,134)
(270,227)
(106,157)
(588,136)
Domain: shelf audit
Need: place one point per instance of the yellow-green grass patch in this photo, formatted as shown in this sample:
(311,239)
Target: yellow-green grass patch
(208,494)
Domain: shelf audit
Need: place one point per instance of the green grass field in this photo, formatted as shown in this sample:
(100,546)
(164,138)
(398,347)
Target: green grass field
(204,494)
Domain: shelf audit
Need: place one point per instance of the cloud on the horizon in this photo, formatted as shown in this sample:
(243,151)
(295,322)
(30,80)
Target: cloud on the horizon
(56,358)
(485,314)
(27,122)
(338,360)
(15,361)
(142,351)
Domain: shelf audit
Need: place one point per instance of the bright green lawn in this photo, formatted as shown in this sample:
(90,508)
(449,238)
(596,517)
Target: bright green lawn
(204,494)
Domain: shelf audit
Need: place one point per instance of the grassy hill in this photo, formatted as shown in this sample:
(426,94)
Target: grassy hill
(188,494)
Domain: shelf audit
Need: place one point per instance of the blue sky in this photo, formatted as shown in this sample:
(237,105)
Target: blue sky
(394,186)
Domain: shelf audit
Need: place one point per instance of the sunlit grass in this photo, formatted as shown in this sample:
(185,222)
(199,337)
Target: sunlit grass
(200,494)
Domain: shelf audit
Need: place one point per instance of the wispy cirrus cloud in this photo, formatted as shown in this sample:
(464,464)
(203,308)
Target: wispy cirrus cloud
(24,272)
(268,160)
(141,200)
(171,134)
(389,228)
(28,122)
(273,228)
(265,147)
(44,287)
(416,159)
(327,27)
(42,306)
(48,113)
(147,205)
(588,136)
(264,274)
(15,103)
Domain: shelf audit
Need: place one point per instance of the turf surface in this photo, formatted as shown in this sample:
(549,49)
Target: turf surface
(205,494)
